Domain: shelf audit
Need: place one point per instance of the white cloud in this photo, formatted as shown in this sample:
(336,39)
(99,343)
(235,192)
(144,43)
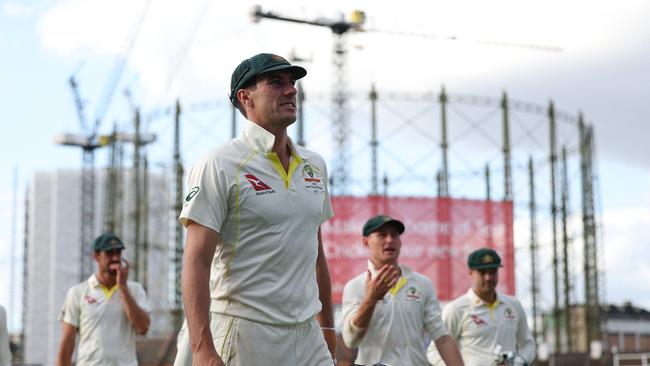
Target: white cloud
(13,8)
(201,41)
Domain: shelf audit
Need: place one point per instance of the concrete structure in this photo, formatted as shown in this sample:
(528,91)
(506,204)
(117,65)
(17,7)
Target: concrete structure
(624,329)
(53,252)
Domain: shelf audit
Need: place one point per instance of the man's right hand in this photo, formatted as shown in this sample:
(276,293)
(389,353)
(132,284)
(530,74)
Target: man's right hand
(207,358)
(386,278)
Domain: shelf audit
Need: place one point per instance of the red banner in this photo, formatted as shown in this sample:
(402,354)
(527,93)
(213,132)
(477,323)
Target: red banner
(440,234)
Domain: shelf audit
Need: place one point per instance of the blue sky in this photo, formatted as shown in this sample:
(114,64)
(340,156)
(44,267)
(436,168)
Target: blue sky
(188,50)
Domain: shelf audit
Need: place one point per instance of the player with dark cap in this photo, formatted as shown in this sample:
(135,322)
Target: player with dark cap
(107,311)
(387,308)
(489,326)
(255,281)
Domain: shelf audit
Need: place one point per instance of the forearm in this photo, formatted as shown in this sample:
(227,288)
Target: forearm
(195,280)
(65,356)
(68,335)
(363,316)
(138,318)
(449,350)
(326,315)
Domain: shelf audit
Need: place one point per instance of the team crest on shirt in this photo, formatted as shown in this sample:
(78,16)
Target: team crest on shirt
(313,179)
(509,314)
(259,186)
(90,300)
(413,294)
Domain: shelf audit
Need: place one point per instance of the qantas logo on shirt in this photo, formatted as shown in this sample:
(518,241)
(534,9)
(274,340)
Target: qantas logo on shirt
(259,186)
(477,320)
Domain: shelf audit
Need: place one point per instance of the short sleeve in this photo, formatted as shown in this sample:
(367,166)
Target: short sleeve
(206,203)
(71,307)
(352,296)
(432,317)
(140,296)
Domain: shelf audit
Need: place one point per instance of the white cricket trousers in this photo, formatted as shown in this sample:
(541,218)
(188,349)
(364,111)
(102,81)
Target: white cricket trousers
(242,342)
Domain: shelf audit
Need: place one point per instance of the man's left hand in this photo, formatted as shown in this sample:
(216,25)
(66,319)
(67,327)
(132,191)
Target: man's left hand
(123,273)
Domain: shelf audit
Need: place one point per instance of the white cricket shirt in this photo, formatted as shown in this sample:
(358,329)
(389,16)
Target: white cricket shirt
(5,352)
(265,267)
(106,337)
(479,327)
(395,333)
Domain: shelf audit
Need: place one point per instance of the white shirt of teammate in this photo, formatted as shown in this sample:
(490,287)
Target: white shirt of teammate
(481,329)
(106,337)
(395,334)
(5,352)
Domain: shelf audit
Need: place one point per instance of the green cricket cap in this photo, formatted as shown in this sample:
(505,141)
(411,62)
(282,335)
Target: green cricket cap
(374,223)
(484,258)
(107,241)
(257,65)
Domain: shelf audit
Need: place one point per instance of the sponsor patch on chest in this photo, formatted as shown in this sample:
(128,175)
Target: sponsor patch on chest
(312,179)
(260,187)
(477,320)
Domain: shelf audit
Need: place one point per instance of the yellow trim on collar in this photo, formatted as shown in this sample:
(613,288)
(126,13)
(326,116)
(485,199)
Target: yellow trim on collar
(277,165)
(395,289)
(493,306)
(108,293)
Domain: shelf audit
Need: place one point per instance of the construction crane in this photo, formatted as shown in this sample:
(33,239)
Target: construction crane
(89,140)
(339,28)
(340,175)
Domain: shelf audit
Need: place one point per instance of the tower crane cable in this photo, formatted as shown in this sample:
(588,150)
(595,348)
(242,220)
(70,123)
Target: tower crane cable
(118,69)
(88,142)
(339,111)
(531,46)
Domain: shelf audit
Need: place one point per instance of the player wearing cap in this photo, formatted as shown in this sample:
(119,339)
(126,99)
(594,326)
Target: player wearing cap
(489,326)
(387,308)
(106,311)
(255,280)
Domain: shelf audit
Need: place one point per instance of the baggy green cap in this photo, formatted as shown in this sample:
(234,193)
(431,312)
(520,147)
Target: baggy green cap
(257,65)
(374,223)
(107,241)
(484,258)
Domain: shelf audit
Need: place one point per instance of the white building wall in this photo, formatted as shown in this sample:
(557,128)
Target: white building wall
(53,254)
(36,308)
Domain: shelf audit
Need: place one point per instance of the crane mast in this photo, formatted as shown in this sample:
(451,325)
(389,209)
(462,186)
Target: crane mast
(340,173)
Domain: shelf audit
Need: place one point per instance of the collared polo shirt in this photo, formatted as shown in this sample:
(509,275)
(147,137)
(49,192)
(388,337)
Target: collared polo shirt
(479,328)
(106,337)
(5,353)
(395,333)
(268,220)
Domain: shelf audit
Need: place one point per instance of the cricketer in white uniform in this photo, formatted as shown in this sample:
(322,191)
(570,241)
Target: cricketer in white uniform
(489,326)
(255,281)
(5,352)
(387,308)
(107,311)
